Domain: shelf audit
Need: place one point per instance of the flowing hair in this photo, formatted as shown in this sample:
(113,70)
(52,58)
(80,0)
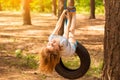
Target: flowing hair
(48,60)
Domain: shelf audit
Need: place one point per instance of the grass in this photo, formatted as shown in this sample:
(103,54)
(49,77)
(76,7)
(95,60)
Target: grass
(95,70)
(73,62)
(28,60)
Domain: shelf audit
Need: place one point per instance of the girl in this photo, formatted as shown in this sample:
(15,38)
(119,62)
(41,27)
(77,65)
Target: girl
(57,45)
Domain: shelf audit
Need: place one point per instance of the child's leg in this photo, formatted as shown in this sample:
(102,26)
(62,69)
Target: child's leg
(67,26)
(72,28)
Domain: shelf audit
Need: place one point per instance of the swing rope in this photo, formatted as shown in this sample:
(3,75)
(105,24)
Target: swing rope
(73,9)
(65,20)
(65,4)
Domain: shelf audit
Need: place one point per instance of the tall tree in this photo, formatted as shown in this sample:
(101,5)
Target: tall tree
(92,9)
(111,69)
(26,12)
(0,6)
(71,2)
(42,5)
(60,9)
(54,5)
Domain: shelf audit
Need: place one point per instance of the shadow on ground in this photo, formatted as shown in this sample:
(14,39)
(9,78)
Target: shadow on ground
(30,38)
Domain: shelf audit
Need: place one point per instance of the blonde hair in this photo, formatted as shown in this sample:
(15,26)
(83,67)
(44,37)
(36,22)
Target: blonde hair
(48,60)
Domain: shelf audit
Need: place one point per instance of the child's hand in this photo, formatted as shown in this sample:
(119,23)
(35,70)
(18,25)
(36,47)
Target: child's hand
(67,15)
(65,11)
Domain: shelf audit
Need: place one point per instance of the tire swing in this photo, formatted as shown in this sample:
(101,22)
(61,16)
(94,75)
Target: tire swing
(84,56)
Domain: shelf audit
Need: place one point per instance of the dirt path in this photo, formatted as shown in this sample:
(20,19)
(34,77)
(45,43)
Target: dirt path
(13,36)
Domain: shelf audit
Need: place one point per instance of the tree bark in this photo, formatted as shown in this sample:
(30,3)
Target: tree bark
(54,5)
(92,9)
(42,5)
(0,6)
(60,9)
(26,12)
(111,69)
(71,2)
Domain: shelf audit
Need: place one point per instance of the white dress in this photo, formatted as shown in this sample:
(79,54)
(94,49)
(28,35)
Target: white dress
(67,48)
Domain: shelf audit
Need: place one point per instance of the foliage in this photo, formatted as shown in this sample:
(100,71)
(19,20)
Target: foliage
(99,6)
(72,62)
(83,6)
(28,60)
(18,53)
(41,6)
(10,4)
(31,61)
(96,70)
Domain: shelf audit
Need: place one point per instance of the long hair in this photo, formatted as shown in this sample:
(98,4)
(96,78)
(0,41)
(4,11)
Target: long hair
(48,60)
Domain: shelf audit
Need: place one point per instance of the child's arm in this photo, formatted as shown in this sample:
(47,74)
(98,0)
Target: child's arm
(72,28)
(59,23)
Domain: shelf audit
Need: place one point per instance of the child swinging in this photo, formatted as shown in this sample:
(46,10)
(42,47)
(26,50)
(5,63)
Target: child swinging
(57,45)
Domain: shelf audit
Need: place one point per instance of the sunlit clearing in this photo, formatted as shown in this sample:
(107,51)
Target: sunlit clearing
(95,27)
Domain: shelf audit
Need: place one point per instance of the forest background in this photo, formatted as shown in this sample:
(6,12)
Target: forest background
(82,6)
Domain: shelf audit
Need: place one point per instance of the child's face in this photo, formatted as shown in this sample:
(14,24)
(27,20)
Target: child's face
(53,45)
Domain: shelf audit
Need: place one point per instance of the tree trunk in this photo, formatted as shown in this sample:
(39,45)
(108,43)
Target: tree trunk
(0,6)
(26,12)
(92,9)
(54,5)
(42,5)
(71,2)
(111,69)
(60,9)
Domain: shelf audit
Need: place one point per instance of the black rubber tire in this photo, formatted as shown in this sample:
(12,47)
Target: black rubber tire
(84,56)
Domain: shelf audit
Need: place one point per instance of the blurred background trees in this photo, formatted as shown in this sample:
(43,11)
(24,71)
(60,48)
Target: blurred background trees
(92,9)
(49,6)
(26,12)
(54,7)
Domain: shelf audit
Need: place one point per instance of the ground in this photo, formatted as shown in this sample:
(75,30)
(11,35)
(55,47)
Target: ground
(30,38)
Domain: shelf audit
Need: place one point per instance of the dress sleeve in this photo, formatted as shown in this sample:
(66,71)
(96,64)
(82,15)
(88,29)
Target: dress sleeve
(51,37)
(63,42)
